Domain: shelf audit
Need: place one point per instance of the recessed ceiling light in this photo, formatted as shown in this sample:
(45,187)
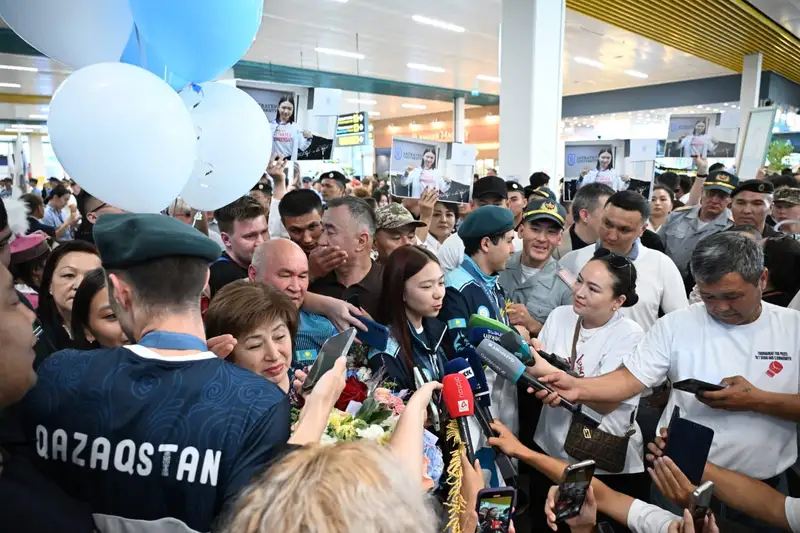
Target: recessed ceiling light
(14,67)
(484,77)
(699,107)
(341,53)
(414,106)
(363,102)
(341,1)
(374,113)
(11,85)
(427,68)
(716,110)
(636,74)
(419,19)
(725,104)
(590,62)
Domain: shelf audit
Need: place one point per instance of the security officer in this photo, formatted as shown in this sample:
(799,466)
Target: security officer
(750,205)
(473,288)
(534,193)
(686,226)
(516,200)
(533,279)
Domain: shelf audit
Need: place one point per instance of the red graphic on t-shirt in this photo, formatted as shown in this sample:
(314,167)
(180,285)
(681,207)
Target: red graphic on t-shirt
(579,365)
(774,368)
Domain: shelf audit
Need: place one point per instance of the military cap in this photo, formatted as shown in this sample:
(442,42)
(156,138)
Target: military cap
(127,240)
(335,175)
(266,188)
(514,186)
(540,192)
(490,185)
(760,186)
(790,195)
(546,209)
(486,220)
(395,216)
(721,180)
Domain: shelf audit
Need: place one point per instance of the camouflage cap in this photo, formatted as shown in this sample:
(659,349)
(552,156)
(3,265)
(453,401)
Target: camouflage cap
(790,195)
(395,216)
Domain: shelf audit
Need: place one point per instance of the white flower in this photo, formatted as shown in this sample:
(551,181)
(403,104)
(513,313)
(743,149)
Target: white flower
(327,439)
(374,432)
(364,374)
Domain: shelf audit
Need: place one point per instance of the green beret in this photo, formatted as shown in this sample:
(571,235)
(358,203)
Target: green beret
(485,221)
(547,209)
(130,239)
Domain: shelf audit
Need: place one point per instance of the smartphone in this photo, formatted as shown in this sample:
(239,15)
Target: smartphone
(700,505)
(496,509)
(333,349)
(354,300)
(572,491)
(688,445)
(376,336)
(695,385)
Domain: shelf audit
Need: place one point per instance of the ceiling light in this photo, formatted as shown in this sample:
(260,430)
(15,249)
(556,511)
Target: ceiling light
(590,62)
(15,130)
(39,117)
(11,85)
(427,68)
(14,67)
(716,110)
(341,1)
(45,109)
(341,53)
(636,74)
(484,77)
(374,113)
(725,104)
(363,102)
(414,106)
(437,24)
(699,107)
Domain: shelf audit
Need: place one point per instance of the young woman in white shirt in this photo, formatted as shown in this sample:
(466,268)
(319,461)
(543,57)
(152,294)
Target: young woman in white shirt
(604,173)
(287,139)
(699,143)
(443,223)
(594,338)
(426,176)
(661,204)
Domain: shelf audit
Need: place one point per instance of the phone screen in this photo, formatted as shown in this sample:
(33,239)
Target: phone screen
(572,492)
(334,347)
(494,513)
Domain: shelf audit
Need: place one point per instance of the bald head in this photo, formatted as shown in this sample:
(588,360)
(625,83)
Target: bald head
(282,264)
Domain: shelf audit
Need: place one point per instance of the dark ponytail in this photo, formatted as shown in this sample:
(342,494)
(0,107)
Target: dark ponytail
(623,272)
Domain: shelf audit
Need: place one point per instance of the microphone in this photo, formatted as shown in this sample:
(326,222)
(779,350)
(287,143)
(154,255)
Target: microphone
(482,413)
(505,364)
(514,343)
(460,404)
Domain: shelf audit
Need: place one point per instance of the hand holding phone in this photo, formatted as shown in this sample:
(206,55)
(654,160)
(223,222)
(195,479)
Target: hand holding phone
(700,505)
(496,509)
(695,386)
(572,491)
(333,349)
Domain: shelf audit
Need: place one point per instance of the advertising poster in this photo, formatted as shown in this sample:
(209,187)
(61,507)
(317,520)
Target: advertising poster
(698,135)
(579,157)
(416,165)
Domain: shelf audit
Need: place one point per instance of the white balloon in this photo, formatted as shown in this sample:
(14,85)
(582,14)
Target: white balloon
(124,135)
(234,146)
(77,33)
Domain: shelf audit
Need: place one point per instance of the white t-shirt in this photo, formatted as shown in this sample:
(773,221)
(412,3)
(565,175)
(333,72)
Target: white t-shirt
(600,351)
(528,272)
(795,303)
(697,144)
(690,344)
(658,283)
(287,140)
(646,518)
(608,177)
(792,507)
(451,252)
(274,222)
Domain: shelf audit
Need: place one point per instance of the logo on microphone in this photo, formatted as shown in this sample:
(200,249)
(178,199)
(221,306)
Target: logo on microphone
(463,406)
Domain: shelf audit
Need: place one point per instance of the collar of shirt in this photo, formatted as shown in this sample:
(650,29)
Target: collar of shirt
(577,242)
(487,282)
(632,255)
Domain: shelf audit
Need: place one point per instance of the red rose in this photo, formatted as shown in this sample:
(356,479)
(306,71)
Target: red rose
(354,391)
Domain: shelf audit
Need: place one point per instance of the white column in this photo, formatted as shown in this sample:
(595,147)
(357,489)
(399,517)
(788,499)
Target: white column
(749,92)
(37,156)
(459,129)
(532,44)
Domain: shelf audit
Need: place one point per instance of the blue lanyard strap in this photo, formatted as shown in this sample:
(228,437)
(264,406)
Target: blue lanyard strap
(168,340)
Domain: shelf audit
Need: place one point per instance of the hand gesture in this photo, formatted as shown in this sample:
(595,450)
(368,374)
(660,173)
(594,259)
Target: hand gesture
(625,178)
(409,169)
(508,443)
(427,201)
(657,447)
(307,134)
(738,395)
(672,483)
(323,259)
(564,385)
(519,315)
(584,171)
(586,519)
(276,168)
(701,164)
(222,345)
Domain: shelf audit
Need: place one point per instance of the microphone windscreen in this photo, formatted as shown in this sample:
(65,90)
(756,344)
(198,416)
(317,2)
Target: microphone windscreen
(514,343)
(479,333)
(501,360)
(457,396)
(478,321)
(480,387)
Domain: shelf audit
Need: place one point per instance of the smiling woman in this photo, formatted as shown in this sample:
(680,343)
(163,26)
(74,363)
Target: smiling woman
(63,273)
(264,323)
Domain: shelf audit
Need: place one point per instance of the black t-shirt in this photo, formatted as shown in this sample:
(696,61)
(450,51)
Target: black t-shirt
(650,239)
(577,243)
(223,271)
(34,224)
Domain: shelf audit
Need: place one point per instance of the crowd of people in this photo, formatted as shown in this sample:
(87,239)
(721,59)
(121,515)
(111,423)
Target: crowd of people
(152,366)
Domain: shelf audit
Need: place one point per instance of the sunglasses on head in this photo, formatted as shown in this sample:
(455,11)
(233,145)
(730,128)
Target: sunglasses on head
(615,260)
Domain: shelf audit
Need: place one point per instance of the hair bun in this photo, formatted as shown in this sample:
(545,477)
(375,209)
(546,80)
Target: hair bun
(631,298)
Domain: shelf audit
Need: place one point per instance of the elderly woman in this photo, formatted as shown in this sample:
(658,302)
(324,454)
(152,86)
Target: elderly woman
(263,320)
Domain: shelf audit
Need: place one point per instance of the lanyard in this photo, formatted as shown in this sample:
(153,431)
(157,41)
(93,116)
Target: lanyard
(574,357)
(168,340)
(490,295)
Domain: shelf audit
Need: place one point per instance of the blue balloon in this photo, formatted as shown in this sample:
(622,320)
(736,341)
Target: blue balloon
(198,39)
(140,54)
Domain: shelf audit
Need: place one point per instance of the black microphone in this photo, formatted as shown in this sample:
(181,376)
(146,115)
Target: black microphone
(505,364)
(514,343)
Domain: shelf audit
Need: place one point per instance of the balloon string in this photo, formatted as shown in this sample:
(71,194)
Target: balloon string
(140,47)
(199,90)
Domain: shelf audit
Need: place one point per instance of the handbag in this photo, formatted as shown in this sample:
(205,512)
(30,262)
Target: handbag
(583,442)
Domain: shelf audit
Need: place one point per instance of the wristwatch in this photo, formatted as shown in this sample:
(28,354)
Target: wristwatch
(701,176)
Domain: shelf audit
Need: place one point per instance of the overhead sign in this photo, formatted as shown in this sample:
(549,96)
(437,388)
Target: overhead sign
(352,129)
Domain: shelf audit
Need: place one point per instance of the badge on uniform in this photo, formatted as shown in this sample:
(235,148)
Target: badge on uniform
(483,311)
(457,323)
(567,277)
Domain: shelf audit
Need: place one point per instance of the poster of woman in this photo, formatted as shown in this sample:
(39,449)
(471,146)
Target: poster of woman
(287,137)
(417,165)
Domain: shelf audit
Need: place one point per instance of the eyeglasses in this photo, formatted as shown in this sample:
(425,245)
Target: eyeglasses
(615,260)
